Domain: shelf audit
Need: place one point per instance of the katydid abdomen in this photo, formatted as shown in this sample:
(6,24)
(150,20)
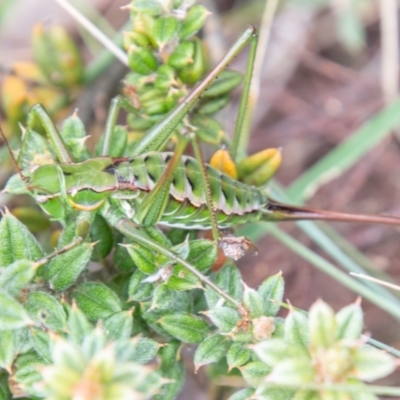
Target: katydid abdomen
(86,185)
(233,201)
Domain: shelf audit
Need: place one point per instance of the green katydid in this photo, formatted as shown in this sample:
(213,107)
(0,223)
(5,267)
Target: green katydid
(151,187)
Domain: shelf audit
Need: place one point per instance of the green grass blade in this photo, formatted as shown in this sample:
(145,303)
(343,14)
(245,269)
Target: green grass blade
(346,154)
(328,268)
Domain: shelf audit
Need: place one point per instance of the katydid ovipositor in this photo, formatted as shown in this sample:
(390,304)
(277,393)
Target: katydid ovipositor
(154,187)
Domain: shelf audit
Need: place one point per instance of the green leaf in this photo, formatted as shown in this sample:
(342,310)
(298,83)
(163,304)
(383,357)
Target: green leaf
(255,372)
(137,289)
(244,394)
(8,350)
(64,269)
(182,279)
(238,354)
(322,324)
(371,364)
(349,322)
(74,134)
(16,242)
(41,343)
(96,300)
(253,302)
(229,280)
(140,350)
(17,276)
(78,325)
(271,291)
(185,327)
(211,350)
(123,261)
(119,325)
(225,318)
(5,393)
(143,258)
(299,370)
(273,351)
(101,234)
(27,372)
(176,374)
(12,314)
(202,254)
(46,310)
(296,329)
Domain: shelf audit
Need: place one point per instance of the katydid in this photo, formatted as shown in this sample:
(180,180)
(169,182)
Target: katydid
(158,187)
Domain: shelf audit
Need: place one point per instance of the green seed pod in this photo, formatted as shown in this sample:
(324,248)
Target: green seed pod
(57,55)
(208,129)
(141,60)
(259,168)
(193,72)
(182,56)
(96,300)
(193,22)
(64,269)
(139,123)
(135,38)
(46,310)
(144,24)
(165,78)
(165,29)
(150,7)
